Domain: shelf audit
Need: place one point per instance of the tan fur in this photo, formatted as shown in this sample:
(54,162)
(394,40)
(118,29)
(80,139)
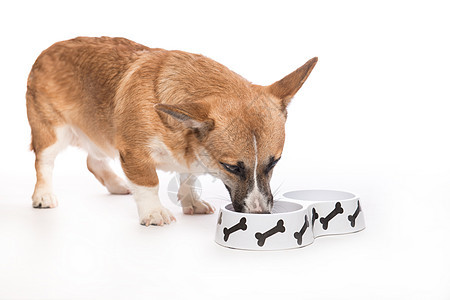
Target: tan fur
(121,95)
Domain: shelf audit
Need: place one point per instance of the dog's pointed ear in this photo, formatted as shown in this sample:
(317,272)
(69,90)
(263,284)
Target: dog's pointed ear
(287,87)
(191,115)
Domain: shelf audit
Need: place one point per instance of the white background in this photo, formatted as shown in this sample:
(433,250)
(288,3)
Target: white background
(373,119)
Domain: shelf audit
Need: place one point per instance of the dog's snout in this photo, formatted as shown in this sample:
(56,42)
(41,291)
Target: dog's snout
(259,205)
(260,212)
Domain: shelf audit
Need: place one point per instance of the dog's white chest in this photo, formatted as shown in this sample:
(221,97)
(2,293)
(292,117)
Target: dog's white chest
(166,161)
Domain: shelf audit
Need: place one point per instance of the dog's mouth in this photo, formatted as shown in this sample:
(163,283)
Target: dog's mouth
(258,206)
(243,208)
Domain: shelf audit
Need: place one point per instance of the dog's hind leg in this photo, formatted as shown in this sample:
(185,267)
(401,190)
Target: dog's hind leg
(47,143)
(103,172)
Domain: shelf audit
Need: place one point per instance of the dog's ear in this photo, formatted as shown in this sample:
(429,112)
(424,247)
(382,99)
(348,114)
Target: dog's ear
(287,87)
(192,115)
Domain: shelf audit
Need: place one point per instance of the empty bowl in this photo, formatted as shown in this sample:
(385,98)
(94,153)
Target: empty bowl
(294,221)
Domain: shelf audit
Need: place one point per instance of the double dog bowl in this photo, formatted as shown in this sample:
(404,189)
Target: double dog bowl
(294,221)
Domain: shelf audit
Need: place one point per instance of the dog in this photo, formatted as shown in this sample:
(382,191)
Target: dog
(157,109)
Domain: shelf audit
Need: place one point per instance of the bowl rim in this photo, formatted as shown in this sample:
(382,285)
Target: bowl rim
(299,209)
(352,196)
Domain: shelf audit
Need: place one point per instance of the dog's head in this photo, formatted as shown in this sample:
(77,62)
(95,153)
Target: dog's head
(239,137)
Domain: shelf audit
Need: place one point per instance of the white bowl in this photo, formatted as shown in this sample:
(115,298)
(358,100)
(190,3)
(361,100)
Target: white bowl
(294,222)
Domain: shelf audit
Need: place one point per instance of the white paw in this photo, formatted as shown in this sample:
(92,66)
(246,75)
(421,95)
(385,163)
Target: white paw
(195,206)
(157,216)
(44,200)
(118,186)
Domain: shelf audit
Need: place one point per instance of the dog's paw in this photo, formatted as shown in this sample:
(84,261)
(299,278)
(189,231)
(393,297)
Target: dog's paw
(118,186)
(158,216)
(44,200)
(197,207)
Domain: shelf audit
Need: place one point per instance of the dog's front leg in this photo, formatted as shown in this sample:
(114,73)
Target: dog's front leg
(140,171)
(189,198)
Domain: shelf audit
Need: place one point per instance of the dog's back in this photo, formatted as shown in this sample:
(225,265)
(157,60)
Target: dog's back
(75,81)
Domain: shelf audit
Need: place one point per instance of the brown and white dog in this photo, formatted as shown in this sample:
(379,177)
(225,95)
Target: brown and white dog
(157,109)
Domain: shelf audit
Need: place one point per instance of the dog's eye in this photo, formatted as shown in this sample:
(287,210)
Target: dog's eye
(235,169)
(271,164)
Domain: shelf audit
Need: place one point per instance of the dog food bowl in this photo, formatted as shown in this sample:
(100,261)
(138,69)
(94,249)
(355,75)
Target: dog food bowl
(294,221)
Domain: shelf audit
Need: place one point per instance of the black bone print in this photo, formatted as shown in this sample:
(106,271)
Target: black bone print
(261,237)
(314,216)
(337,210)
(239,226)
(352,218)
(299,235)
(219,221)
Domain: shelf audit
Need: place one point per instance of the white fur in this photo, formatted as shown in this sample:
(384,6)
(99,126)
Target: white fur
(69,135)
(80,139)
(255,146)
(190,200)
(102,170)
(43,193)
(149,207)
(165,160)
(255,199)
(150,210)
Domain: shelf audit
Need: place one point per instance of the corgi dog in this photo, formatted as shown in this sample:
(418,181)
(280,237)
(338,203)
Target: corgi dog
(157,109)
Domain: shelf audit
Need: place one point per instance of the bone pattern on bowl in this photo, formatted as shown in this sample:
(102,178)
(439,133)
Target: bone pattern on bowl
(239,226)
(299,235)
(267,235)
(261,237)
(352,218)
(337,210)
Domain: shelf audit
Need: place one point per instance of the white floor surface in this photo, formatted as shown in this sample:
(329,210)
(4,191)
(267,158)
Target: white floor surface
(92,246)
